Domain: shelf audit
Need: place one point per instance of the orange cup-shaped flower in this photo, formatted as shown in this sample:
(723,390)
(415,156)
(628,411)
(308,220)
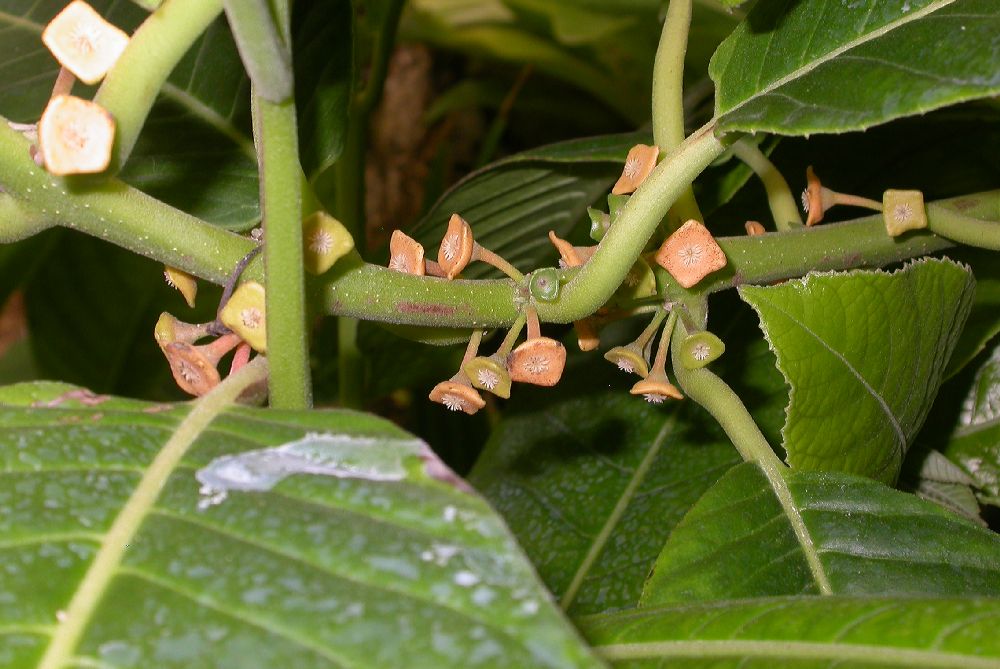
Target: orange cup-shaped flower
(639,163)
(406,255)
(83,42)
(690,254)
(75,136)
(457,395)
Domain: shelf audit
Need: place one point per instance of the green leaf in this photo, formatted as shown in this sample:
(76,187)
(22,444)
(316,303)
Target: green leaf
(800,632)
(271,538)
(819,532)
(864,353)
(323,33)
(823,66)
(493,31)
(975,443)
(592,485)
(514,202)
(984,317)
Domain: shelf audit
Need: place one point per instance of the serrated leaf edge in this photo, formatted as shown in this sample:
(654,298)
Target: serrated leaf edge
(804,282)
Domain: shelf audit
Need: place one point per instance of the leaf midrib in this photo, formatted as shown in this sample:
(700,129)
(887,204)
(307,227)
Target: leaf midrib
(601,540)
(875,395)
(796,650)
(847,46)
(109,556)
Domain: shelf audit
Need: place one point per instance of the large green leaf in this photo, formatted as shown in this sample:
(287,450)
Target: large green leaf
(800,632)
(819,532)
(297,539)
(513,203)
(826,66)
(864,353)
(975,443)
(592,486)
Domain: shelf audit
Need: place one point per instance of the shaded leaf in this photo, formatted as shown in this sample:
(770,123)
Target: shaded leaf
(592,486)
(827,532)
(91,310)
(323,33)
(514,202)
(783,69)
(799,632)
(975,443)
(305,539)
(864,353)
(984,317)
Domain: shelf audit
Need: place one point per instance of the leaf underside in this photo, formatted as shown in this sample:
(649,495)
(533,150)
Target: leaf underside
(316,571)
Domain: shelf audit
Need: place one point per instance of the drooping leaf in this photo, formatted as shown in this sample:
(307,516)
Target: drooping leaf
(514,202)
(864,353)
(819,532)
(975,443)
(592,485)
(497,33)
(813,66)
(299,539)
(800,632)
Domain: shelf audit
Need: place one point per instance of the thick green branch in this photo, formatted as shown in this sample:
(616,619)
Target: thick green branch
(130,219)
(668,96)
(280,187)
(600,276)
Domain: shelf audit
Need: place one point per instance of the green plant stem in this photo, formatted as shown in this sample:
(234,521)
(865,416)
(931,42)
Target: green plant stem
(489,257)
(835,246)
(650,330)
(349,172)
(280,185)
(600,276)
(963,229)
(130,88)
(784,209)
(668,98)
(725,406)
(507,345)
(132,220)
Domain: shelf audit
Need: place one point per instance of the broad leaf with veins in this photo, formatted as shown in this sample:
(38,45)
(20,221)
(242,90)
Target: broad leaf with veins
(864,353)
(278,538)
(809,66)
